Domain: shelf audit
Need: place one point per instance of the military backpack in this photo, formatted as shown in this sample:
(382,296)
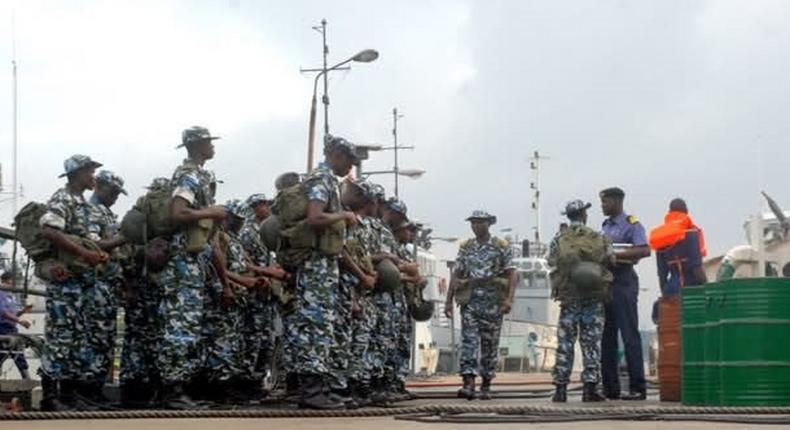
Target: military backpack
(296,239)
(150,216)
(579,266)
(28,232)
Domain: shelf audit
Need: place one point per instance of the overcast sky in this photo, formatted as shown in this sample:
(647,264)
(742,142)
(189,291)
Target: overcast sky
(662,98)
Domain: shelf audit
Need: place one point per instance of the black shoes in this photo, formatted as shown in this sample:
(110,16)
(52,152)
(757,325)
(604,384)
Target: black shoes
(53,400)
(485,389)
(634,395)
(313,394)
(560,394)
(468,390)
(591,394)
(175,398)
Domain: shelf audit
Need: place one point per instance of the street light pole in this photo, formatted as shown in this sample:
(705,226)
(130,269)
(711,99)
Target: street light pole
(365,56)
(325,98)
(395,117)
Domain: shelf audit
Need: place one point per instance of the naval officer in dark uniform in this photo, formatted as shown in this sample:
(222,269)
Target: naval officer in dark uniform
(630,242)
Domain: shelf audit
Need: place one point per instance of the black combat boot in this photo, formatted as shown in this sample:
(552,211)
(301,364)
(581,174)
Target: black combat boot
(136,394)
(343,396)
(591,394)
(468,390)
(378,393)
(360,392)
(292,387)
(313,395)
(485,389)
(174,397)
(51,399)
(79,393)
(401,389)
(561,394)
(92,393)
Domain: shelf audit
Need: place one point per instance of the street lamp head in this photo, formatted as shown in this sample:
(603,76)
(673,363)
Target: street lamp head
(366,56)
(411,173)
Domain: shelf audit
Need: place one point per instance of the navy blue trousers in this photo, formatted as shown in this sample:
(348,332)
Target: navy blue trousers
(622,318)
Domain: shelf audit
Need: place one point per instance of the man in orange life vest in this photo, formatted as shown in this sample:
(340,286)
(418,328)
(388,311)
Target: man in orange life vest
(680,247)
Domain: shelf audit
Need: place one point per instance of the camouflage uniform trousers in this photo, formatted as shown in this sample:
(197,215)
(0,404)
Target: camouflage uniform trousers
(404,340)
(361,364)
(481,322)
(309,333)
(255,330)
(181,353)
(142,334)
(223,335)
(382,341)
(344,332)
(64,329)
(583,319)
(100,312)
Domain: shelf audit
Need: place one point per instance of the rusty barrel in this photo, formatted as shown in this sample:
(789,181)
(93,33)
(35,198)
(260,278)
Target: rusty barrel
(669,368)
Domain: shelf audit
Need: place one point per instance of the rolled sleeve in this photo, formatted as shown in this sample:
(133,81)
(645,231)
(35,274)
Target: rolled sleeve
(187,188)
(317,191)
(54,220)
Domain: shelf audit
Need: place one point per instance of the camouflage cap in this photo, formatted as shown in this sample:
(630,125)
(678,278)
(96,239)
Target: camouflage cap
(378,192)
(575,206)
(396,205)
(334,143)
(159,183)
(110,178)
(195,134)
(364,187)
(481,214)
(409,224)
(256,199)
(77,162)
(236,208)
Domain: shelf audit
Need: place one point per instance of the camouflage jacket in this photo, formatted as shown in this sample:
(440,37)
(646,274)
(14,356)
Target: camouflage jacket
(250,238)
(322,185)
(194,184)
(67,212)
(478,261)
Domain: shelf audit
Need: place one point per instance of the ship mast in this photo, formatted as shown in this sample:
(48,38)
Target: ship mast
(534,165)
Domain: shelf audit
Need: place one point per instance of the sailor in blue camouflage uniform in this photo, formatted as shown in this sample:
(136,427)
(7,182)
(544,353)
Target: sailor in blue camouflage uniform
(405,235)
(101,300)
(391,306)
(309,330)
(184,279)
(479,263)
(403,321)
(225,320)
(381,343)
(67,213)
(581,303)
(261,310)
(630,243)
(357,279)
(143,324)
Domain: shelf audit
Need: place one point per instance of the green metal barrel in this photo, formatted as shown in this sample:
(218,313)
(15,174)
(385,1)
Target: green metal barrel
(692,350)
(712,341)
(755,342)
